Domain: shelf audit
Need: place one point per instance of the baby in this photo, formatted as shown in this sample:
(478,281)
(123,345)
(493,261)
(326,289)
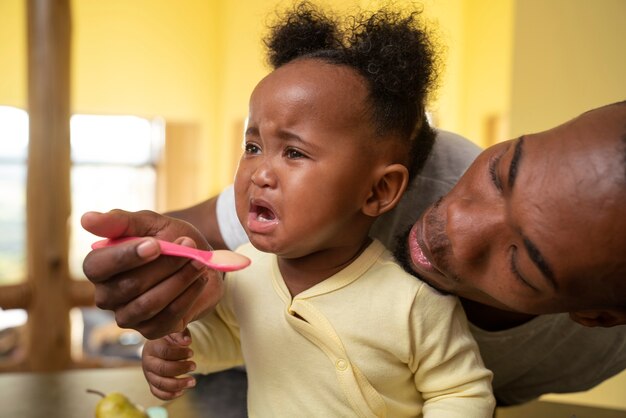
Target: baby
(325,321)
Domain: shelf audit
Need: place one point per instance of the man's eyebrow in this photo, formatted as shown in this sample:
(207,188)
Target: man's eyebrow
(541,263)
(515,161)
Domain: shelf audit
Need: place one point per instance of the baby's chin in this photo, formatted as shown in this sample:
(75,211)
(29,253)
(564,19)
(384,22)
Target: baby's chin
(284,250)
(267,244)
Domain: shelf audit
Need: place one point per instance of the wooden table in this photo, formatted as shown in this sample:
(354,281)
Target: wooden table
(47,395)
(63,395)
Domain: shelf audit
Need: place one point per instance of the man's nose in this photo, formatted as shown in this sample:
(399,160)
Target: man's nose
(474,228)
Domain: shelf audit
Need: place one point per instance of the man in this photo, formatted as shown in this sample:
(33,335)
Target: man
(532,234)
(537,227)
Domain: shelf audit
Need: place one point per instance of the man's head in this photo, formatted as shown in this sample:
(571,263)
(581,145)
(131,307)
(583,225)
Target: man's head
(536,224)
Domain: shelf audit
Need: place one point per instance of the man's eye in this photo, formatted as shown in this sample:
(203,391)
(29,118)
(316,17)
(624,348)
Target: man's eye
(493,171)
(515,270)
(252,148)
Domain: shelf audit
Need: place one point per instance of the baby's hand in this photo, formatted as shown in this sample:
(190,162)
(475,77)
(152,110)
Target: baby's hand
(166,365)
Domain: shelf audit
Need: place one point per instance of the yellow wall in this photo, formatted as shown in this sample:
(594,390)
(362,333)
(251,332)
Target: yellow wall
(12,53)
(149,58)
(486,69)
(477,35)
(568,58)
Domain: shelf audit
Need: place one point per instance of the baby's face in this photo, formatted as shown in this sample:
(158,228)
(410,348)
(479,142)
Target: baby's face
(309,159)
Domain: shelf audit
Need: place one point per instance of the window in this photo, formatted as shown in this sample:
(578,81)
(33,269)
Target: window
(13,150)
(114,164)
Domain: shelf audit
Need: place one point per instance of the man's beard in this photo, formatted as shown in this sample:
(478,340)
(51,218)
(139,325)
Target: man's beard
(440,245)
(401,252)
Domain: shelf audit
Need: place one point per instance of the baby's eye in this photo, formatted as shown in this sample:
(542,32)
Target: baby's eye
(293,153)
(252,148)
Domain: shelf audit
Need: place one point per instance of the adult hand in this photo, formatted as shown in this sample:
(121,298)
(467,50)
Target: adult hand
(153,294)
(166,365)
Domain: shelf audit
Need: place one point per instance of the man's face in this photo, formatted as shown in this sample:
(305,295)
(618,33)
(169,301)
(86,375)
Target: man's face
(536,224)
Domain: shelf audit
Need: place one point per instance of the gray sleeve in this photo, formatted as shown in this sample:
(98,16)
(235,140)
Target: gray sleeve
(452,154)
(227,221)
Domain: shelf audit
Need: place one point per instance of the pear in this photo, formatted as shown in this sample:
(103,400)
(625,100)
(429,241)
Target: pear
(116,405)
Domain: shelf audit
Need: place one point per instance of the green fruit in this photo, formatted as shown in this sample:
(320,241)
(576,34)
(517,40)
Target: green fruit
(116,405)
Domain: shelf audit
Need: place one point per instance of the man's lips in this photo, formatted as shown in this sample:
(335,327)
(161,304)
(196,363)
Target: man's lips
(421,256)
(416,249)
(422,259)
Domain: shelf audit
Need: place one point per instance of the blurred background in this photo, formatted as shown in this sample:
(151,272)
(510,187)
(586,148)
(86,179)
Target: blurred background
(157,93)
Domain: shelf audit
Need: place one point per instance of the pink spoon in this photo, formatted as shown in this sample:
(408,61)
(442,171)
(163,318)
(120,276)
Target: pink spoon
(222,260)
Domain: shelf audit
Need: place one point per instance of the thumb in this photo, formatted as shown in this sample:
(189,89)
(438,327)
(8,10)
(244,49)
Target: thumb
(119,223)
(181,338)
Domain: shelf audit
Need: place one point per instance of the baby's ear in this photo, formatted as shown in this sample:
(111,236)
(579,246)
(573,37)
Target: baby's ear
(600,317)
(391,182)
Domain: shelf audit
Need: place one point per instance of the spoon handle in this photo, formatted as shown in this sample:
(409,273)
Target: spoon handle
(222,260)
(169,248)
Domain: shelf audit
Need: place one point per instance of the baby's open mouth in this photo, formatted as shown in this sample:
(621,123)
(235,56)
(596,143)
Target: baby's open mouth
(262,213)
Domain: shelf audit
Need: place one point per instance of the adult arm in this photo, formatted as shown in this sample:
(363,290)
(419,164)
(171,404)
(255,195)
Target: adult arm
(217,219)
(204,217)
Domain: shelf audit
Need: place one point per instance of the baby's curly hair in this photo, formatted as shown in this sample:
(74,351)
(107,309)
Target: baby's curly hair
(391,49)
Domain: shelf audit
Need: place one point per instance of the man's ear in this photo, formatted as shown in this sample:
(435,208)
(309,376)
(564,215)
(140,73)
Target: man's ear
(390,183)
(600,317)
